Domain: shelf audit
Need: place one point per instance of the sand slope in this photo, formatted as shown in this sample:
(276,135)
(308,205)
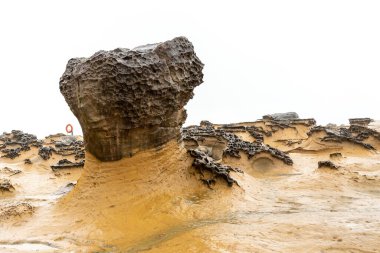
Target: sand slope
(155,202)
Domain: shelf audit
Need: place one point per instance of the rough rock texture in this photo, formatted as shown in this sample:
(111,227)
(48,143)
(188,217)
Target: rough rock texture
(327,164)
(234,143)
(45,152)
(69,145)
(18,141)
(202,162)
(131,100)
(355,134)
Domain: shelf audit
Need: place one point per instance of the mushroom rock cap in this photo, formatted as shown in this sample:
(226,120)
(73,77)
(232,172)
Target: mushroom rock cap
(130,100)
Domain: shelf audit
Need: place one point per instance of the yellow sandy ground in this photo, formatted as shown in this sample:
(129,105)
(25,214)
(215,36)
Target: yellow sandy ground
(154,202)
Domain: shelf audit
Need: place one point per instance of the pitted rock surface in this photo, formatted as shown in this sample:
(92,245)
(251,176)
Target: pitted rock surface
(354,134)
(202,162)
(13,143)
(234,143)
(131,100)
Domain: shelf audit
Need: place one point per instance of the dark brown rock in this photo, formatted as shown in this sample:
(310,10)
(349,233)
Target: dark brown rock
(327,164)
(19,141)
(27,161)
(234,145)
(45,152)
(202,162)
(354,134)
(336,155)
(131,100)
(6,186)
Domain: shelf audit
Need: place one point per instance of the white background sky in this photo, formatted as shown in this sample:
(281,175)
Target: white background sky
(318,58)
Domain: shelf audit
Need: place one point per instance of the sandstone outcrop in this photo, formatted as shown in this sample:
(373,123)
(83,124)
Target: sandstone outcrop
(360,121)
(13,143)
(354,134)
(234,145)
(131,100)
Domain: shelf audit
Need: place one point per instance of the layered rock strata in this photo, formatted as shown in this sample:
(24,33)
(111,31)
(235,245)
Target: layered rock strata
(131,100)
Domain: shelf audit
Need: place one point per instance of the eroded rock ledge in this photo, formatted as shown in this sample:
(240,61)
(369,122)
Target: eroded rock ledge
(233,143)
(131,100)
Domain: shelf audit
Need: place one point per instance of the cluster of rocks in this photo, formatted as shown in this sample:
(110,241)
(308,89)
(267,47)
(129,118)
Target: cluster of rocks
(69,145)
(202,162)
(234,143)
(354,134)
(257,133)
(64,147)
(275,122)
(45,152)
(233,146)
(16,141)
(363,133)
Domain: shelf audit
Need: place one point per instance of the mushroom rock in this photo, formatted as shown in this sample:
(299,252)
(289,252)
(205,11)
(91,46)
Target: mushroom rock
(131,100)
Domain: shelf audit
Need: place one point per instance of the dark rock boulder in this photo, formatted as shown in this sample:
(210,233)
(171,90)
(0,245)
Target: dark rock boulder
(327,164)
(45,152)
(131,100)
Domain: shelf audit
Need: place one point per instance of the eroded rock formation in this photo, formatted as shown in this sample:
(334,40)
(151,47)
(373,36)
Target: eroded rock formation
(203,162)
(131,100)
(234,145)
(327,164)
(11,144)
(361,121)
(354,134)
